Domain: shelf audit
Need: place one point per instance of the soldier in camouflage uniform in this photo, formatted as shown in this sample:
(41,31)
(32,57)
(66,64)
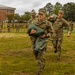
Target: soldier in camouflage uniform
(33,17)
(17,26)
(72,25)
(52,19)
(42,23)
(9,26)
(58,25)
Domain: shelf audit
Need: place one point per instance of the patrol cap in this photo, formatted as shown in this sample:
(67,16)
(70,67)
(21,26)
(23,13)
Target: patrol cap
(61,11)
(33,12)
(41,11)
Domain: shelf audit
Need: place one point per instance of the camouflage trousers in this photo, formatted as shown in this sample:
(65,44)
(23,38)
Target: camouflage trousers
(57,42)
(40,56)
(41,61)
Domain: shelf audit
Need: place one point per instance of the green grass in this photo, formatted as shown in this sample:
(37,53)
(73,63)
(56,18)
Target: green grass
(16,56)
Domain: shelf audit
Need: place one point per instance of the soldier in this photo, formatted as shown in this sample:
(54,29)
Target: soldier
(17,26)
(33,17)
(72,25)
(42,23)
(58,25)
(52,18)
(1,26)
(9,26)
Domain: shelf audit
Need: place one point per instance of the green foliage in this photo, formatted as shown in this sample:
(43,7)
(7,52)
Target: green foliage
(57,7)
(10,17)
(69,11)
(53,9)
(26,16)
(49,8)
(17,16)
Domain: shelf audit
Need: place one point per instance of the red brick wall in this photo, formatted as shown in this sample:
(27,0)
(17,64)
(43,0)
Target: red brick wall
(9,12)
(2,15)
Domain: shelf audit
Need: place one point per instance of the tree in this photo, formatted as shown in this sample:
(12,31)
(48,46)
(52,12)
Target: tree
(26,16)
(10,17)
(17,16)
(48,8)
(69,11)
(57,7)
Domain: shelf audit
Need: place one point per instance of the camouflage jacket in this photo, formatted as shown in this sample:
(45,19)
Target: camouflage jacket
(58,26)
(31,20)
(40,44)
(45,25)
(71,25)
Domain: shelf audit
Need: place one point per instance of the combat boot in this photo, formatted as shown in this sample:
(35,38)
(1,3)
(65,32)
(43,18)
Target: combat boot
(55,50)
(39,73)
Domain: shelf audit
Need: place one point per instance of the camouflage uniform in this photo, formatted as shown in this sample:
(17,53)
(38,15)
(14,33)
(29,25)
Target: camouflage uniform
(32,18)
(47,27)
(52,19)
(57,40)
(17,26)
(29,22)
(9,27)
(72,25)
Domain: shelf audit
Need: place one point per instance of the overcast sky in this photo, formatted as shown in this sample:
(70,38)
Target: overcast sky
(27,5)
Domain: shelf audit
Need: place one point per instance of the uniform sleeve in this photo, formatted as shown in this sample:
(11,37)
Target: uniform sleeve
(29,22)
(67,25)
(50,28)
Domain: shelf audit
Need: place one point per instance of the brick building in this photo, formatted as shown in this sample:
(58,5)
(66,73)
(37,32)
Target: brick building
(4,11)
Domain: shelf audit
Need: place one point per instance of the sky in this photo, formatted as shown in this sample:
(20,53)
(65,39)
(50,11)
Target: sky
(27,5)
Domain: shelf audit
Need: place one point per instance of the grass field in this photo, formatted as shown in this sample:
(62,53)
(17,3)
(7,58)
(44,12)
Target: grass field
(16,56)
